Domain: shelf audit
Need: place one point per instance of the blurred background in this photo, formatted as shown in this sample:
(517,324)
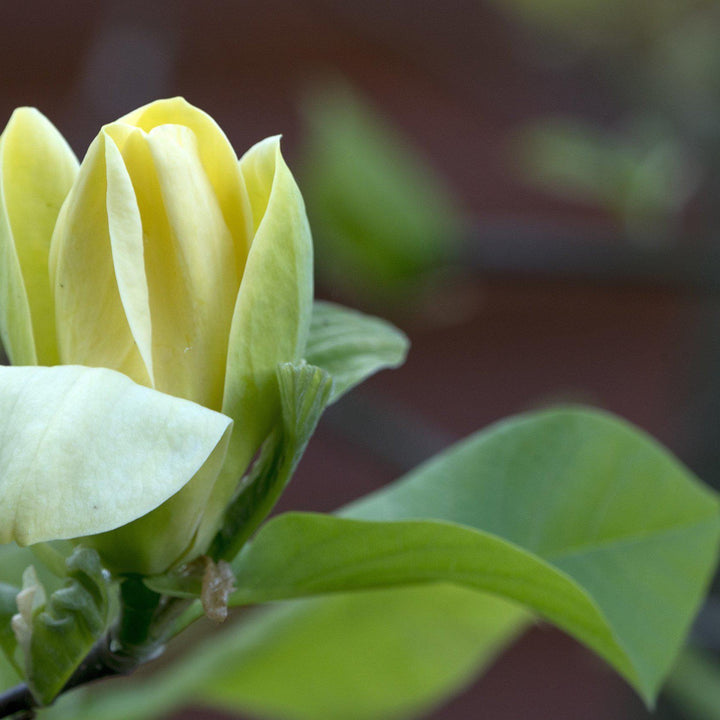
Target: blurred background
(529,188)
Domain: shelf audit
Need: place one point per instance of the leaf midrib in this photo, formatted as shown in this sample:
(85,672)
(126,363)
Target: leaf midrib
(631,539)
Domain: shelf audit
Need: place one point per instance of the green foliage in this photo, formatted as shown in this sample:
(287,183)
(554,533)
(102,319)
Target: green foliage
(694,686)
(403,596)
(361,656)
(351,346)
(601,503)
(8,608)
(642,177)
(62,632)
(382,219)
(347,346)
(571,513)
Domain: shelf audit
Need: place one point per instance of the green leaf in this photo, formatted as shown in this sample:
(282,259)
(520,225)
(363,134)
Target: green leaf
(361,656)
(597,501)
(571,512)
(352,346)
(694,686)
(382,217)
(8,608)
(64,631)
(304,394)
(8,675)
(13,561)
(85,450)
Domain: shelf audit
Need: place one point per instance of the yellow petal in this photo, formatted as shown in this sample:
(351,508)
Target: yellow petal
(217,157)
(37,168)
(272,313)
(85,450)
(190,260)
(160,540)
(92,325)
(126,242)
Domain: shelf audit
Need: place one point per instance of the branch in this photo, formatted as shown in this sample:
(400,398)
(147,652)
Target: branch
(100,663)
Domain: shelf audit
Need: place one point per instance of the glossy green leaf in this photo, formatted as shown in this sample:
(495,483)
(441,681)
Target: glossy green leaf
(85,450)
(352,346)
(599,502)
(572,512)
(63,632)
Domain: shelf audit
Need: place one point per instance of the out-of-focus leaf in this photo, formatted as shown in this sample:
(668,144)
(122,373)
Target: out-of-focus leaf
(8,674)
(598,26)
(351,346)
(8,608)
(13,561)
(694,686)
(642,176)
(381,217)
(360,656)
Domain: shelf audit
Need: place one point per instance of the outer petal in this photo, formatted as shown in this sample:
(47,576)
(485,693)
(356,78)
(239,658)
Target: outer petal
(92,323)
(154,543)
(272,313)
(37,168)
(84,450)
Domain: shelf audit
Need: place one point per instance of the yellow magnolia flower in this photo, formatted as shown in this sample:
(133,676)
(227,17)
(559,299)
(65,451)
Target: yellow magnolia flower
(167,261)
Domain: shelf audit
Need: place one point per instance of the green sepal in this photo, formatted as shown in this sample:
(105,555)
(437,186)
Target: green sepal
(304,393)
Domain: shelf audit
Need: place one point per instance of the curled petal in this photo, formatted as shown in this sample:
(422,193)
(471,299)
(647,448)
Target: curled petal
(92,324)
